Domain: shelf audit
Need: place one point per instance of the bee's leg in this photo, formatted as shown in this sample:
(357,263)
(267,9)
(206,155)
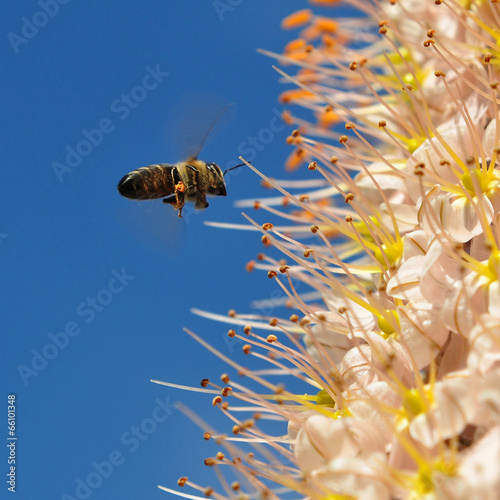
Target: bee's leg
(201,202)
(172,200)
(179,194)
(194,179)
(176,200)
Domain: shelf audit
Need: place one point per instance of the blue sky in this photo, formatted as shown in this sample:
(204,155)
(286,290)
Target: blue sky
(97,288)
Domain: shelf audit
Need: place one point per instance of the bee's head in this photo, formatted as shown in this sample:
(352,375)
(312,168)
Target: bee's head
(217,186)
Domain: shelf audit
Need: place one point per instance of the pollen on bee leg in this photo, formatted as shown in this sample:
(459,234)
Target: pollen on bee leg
(180,187)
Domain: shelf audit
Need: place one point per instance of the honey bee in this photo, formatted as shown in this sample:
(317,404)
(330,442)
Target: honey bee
(190,180)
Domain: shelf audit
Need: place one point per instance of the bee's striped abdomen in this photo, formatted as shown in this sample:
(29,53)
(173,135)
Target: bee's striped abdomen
(148,183)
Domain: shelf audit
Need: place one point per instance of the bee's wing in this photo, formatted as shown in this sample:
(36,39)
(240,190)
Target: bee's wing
(198,120)
(154,224)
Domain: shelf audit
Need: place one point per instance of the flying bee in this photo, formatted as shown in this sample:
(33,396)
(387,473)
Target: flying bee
(190,180)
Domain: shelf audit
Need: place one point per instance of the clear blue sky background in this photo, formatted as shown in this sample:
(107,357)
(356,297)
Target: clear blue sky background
(64,238)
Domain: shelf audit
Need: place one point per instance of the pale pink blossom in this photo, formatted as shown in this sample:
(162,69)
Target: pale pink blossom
(449,407)
(389,363)
(323,439)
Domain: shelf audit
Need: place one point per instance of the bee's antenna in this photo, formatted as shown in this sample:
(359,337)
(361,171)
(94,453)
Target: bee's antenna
(232,168)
